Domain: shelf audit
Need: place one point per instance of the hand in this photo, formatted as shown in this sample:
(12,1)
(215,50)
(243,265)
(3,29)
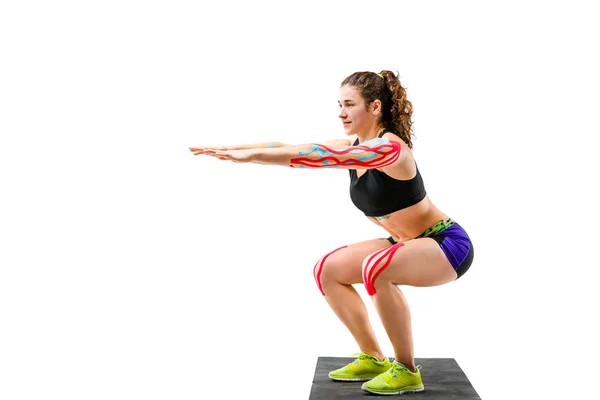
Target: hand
(203,149)
(238,156)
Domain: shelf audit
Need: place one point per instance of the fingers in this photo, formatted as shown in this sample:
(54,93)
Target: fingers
(199,150)
(206,150)
(212,152)
(202,148)
(221,155)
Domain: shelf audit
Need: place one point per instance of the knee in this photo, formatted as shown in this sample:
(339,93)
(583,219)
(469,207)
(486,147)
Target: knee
(374,266)
(324,270)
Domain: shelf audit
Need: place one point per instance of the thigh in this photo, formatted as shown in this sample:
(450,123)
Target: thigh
(418,262)
(344,265)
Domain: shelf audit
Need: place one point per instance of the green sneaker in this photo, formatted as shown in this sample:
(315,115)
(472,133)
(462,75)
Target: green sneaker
(365,367)
(397,380)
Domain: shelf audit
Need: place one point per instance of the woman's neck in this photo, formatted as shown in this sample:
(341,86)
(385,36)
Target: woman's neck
(372,134)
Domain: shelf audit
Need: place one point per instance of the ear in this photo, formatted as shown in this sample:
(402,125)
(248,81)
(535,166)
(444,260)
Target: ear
(376,107)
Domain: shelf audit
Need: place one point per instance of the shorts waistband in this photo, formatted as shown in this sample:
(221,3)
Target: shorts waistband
(439,226)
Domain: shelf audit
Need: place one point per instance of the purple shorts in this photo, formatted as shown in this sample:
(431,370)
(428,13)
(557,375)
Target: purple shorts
(454,241)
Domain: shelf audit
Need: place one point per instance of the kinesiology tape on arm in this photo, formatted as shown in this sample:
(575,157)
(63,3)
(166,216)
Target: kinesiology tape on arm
(378,153)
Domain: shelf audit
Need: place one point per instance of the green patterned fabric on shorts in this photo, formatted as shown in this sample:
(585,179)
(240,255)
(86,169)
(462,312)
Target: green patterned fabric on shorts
(437,228)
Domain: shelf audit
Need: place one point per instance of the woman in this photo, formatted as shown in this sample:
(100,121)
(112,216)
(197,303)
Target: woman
(425,247)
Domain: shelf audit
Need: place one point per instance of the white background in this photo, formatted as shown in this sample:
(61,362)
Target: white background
(130,269)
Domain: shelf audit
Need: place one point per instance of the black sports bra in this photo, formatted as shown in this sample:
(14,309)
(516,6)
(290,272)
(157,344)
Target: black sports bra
(376,193)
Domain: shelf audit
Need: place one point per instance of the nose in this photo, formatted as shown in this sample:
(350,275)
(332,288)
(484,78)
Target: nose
(342,114)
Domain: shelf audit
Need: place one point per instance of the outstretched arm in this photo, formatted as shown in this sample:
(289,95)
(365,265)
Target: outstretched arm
(375,153)
(202,149)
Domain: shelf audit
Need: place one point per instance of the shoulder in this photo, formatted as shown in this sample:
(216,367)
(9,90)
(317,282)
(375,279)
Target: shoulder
(404,167)
(392,137)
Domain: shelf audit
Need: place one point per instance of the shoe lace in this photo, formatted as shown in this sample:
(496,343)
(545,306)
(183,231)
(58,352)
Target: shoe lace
(396,369)
(360,356)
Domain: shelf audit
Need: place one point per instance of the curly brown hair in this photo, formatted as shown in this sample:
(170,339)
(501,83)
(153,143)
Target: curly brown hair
(396,109)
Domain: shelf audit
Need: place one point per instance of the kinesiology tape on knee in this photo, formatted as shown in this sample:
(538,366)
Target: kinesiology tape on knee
(319,268)
(378,153)
(376,264)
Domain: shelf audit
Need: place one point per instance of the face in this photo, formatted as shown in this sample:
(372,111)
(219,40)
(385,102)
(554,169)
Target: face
(354,116)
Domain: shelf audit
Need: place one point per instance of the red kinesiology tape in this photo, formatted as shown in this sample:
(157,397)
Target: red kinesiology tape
(319,268)
(384,154)
(375,267)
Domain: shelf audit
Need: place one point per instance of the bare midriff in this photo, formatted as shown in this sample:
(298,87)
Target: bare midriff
(410,222)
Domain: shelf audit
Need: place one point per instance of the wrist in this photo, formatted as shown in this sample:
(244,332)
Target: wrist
(268,156)
(256,156)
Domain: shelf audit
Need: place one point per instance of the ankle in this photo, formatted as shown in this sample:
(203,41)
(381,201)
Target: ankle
(411,366)
(377,355)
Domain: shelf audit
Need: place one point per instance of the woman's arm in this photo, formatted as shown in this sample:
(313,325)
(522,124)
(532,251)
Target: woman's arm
(375,153)
(263,145)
